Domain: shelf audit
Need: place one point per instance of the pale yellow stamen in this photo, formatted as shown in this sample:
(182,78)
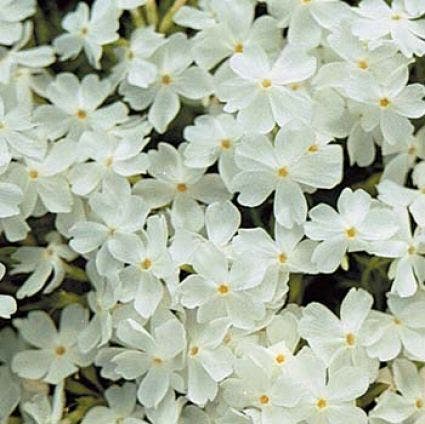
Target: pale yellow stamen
(166,79)
(282,258)
(351,233)
(194,351)
(350,339)
(223,289)
(411,250)
(81,114)
(238,48)
(225,144)
(266,83)
(313,148)
(146,264)
(362,64)
(321,404)
(384,102)
(181,187)
(60,351)
(33,174)
(280,358)
(264,399)
(282,172)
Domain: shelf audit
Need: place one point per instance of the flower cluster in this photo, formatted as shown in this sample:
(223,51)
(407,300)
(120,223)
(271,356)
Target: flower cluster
(177,184)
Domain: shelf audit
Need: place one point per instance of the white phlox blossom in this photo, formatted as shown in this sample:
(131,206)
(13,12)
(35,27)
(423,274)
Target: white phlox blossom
(212,212)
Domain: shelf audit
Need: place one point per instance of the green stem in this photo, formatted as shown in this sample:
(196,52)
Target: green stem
(167,21)
(296,289)
(75,273)
(152,13)
(137,18)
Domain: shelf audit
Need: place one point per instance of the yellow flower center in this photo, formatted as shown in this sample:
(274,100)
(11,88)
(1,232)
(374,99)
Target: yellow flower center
(238,48)
(225,144)
(60,350)
(294,86)
(264,399)
(282,258)
(280,358)
(146,264)
(411,150)
(33,174)
(282,172)
(157,360)
(166,79)
(351,233)
(181,187)
(84,31)
(313,148)
(397,321)
(321,403)
(384,102)
(362,64)
(419,403)
(266,83)
(81,114)
(395,16)
(223,289)
(411,250)
(350,339)
(194,351)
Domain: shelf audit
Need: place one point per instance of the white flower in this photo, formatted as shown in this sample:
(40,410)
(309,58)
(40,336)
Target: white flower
(12,13)
(44,411)
(409,405)
(56,355)
(176,77)
(89,30)
(398,196)
(135,62)
(213,138)
(43,180)
(119,153)
(14,137)
(308,17)
(208,360)
(44,263)
(256,386)
(222,220)
(33,58)
(149,261)
(408,268)
(236,30)
(387,106)
(402,157)
(402,328)
(378,19)
(116,212)
(102,300)
(287,254)
(156,356)
(218,291)
(357,223)
(294,162)
(76,106)
(7,303)
(340,342)
(329,394)
(176,183)
(259,88)
(121,407)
